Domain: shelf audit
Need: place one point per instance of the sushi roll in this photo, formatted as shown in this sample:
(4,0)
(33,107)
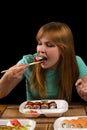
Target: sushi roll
(38,58)
(64,123)
(29,105)
(52,105)
(44,105)
(74,123)
(82,122)
(37,105)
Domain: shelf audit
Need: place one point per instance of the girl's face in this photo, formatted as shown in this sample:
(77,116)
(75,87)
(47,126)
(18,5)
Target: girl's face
(46,48)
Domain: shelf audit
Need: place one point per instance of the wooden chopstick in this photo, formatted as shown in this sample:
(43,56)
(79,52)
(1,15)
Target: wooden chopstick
(33,63)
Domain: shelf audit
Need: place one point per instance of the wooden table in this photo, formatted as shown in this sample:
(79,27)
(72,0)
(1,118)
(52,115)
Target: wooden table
(42,123)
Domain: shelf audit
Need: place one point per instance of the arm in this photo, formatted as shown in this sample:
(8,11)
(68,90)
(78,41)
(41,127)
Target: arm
(11,78)
(81,86)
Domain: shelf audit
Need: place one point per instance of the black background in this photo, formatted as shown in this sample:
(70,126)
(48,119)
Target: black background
(19,23)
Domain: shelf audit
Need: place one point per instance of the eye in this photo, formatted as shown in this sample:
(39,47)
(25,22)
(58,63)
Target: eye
(50,44)
(39,43)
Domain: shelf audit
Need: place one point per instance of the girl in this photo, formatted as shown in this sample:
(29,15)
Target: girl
(55,77)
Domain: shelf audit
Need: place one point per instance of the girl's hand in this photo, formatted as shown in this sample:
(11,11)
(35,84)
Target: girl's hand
(81,86)
(16,71)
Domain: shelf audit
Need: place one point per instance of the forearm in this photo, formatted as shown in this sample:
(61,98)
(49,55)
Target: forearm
(7,85)
(11,78)
(4,89)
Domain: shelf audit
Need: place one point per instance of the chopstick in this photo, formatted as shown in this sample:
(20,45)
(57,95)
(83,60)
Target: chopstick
(33,63)
(2,125)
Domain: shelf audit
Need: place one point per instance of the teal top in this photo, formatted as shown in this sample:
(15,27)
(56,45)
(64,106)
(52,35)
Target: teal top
(51,86)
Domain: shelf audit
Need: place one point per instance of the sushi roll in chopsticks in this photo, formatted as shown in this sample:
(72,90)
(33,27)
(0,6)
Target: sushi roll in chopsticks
(38,58)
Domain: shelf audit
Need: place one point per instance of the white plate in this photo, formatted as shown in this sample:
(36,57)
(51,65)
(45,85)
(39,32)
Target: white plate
(32,123)
(57,123)
(62,106)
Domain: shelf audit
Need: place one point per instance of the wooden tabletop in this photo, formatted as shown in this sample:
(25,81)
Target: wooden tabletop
(8,111)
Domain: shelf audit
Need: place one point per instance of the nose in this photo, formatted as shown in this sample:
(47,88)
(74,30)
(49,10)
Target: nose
(41,49)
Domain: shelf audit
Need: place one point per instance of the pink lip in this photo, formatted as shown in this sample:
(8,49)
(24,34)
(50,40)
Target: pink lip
(44,61)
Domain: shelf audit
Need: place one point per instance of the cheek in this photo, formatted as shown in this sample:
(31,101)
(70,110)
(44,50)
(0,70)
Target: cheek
(55,53)
(55,57)
(58,53)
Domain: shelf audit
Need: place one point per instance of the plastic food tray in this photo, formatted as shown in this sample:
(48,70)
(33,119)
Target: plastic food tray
(32,123)
(62,107)
(57,123)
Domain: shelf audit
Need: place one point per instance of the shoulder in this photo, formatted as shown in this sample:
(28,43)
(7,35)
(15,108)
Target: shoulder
(82,66)
(78,58)
(80,61)
(27,58)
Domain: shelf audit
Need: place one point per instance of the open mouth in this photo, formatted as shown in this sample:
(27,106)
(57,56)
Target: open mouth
(44,59)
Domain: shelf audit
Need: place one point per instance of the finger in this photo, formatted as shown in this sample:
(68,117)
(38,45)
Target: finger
(78,82)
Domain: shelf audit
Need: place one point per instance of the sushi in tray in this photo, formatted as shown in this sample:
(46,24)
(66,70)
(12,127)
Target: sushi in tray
(41,105)
(46,107)
(67,123)
(17,124)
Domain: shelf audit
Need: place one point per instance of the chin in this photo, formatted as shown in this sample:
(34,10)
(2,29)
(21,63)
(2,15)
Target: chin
(44,66)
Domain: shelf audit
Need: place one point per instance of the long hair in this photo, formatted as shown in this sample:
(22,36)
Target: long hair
(62,36)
